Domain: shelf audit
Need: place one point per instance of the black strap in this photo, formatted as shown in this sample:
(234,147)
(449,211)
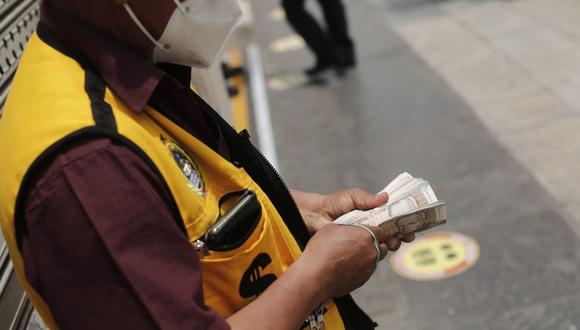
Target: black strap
(102,112)
(56,43)
(105,126)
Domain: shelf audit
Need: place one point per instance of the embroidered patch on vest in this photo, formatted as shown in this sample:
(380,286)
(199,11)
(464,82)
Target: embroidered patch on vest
(187,166)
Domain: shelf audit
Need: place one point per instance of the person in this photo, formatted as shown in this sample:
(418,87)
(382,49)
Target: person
(333,48)
(114,173)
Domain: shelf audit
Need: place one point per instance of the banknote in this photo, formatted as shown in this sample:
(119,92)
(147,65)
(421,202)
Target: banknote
(412,207)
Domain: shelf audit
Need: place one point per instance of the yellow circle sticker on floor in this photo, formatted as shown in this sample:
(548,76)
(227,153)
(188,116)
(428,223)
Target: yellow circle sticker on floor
(436,256)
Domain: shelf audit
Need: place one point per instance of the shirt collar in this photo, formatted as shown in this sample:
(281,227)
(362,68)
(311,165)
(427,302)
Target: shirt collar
(132,78)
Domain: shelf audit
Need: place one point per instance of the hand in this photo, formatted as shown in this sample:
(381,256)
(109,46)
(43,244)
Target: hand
(319,210)
(337,260)
(345,264)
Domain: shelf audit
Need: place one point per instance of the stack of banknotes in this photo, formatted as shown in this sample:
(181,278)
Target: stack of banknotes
(412,207)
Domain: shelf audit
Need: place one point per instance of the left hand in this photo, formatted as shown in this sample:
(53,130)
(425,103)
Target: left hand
(319,210)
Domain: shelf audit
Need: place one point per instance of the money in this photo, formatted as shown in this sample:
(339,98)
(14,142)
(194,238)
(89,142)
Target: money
(412,207)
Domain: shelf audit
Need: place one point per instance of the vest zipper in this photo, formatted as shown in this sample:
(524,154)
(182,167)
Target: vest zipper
(320,322)
(352,316)
(277,180)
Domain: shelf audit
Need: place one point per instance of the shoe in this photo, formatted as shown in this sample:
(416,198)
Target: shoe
(233,91)
(319,68)
(230,72)
(346,58)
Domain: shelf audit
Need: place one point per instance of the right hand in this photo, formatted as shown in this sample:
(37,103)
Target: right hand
(337,260)
(343,257)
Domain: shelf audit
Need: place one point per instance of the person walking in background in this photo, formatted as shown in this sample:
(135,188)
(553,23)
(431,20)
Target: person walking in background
(332,48)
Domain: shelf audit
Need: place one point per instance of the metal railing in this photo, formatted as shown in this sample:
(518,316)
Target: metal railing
(18,19)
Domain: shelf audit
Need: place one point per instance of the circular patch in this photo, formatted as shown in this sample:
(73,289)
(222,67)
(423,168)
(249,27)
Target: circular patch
(187,166)
(436,256)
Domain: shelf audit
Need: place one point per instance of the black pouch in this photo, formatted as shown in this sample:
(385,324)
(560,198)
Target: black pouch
(241,214)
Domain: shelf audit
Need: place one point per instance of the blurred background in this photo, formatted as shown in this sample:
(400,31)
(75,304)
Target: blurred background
(481,98)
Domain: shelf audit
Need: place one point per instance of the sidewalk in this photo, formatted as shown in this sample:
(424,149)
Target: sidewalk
(399,112)
(518,66)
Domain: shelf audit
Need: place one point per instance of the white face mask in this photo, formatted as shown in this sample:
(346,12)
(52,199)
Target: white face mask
(195,33)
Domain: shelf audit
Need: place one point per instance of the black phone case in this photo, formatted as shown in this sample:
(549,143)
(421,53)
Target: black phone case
(233,228)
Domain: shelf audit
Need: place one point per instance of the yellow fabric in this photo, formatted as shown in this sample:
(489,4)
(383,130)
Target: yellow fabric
(48,102)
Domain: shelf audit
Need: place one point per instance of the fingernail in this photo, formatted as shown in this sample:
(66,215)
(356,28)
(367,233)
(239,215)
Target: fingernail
(382,195)
(397,246)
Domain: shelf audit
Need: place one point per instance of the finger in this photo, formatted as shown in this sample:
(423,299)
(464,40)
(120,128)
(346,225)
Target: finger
(408,238)
(362,200)
(379,233)
(393,243)
(384,250)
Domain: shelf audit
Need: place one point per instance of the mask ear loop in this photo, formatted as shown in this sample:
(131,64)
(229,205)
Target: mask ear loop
(183,9)
(143,29)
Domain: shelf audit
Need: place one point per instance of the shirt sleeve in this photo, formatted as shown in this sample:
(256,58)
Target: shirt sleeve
(102,247)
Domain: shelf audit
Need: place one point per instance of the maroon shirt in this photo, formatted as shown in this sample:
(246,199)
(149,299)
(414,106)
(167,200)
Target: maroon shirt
(100,243)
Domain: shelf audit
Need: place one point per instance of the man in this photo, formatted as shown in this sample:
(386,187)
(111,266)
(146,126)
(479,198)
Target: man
(115,174)
(333,48)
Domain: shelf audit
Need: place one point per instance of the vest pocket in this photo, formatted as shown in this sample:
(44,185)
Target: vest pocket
(240,212)
(233,278)
(241,217)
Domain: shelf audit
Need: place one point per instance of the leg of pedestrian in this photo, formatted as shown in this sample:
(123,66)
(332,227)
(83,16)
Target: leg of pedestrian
(337,23)
(316,39)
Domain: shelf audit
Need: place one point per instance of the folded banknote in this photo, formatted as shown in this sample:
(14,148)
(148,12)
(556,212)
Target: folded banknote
(412,207)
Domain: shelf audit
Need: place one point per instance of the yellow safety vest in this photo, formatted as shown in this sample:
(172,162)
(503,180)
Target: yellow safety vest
(54,100)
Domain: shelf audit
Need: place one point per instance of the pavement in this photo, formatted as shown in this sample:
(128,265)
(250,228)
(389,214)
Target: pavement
(517,64)
(480,98)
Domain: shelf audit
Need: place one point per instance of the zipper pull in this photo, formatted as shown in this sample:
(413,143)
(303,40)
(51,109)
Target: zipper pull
(316,319)
(201,247)
(311,320)
(320,323)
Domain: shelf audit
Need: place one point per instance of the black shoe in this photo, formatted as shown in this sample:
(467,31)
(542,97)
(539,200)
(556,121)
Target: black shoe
(230,72)
(346,58)
(319,68)
(233,91)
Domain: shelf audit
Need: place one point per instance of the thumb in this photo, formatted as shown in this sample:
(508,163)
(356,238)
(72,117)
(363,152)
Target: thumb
(363,200)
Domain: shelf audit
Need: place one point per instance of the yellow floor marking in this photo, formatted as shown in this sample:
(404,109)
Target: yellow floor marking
(287,44)
(287,81)
(240,107)
(277,14)
(436,256)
